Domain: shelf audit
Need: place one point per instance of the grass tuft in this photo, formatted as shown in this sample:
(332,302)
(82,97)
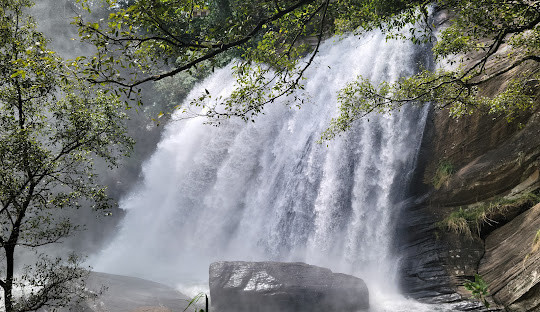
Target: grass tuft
(472,219)
(536,242)
(444,171)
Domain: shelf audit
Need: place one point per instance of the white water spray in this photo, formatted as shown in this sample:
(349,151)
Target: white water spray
(268,191)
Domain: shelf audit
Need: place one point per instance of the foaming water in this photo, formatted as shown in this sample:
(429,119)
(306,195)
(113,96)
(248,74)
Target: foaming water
(388,302)
(268,191)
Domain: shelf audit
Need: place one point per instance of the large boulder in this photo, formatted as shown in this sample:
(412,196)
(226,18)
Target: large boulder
(277,286)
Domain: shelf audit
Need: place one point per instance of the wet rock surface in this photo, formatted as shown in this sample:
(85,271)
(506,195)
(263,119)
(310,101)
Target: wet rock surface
(423,274)
(434,263)
(277,286)
(511,266)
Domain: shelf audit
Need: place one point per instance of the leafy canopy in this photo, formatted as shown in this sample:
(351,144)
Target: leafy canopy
(487,41)
(150,40)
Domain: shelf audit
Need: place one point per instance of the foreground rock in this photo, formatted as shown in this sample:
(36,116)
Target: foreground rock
(277,286)
(129,294)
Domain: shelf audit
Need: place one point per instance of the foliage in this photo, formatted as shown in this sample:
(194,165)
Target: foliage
(486,40)
(478,289)
(51,128)
(149,40)
(173,90)
(443,174)
(471,219)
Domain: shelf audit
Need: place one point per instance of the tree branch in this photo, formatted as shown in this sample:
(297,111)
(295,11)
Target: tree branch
(220,48)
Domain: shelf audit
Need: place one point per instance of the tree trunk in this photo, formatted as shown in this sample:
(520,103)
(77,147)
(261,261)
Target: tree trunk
(8,290)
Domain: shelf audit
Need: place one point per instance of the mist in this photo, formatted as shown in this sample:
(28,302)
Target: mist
(54,19)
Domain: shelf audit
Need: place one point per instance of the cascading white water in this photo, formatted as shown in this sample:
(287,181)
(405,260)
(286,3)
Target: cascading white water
(267,190)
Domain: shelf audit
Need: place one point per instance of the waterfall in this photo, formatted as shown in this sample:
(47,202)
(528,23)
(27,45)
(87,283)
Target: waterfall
(267,190)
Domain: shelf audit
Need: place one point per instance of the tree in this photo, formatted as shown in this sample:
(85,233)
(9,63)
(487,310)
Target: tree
(51,127)
(156,39)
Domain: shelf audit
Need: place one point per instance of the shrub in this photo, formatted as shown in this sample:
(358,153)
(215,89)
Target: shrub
(479,289)
(443,174)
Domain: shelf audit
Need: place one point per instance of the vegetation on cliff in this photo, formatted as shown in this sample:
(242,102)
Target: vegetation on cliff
(481,218)
(443,173)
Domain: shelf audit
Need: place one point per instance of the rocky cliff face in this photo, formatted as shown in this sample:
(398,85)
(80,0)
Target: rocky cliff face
(486,159)
(492,159)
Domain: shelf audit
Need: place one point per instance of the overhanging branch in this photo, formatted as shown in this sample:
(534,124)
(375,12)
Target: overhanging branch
(219,48)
